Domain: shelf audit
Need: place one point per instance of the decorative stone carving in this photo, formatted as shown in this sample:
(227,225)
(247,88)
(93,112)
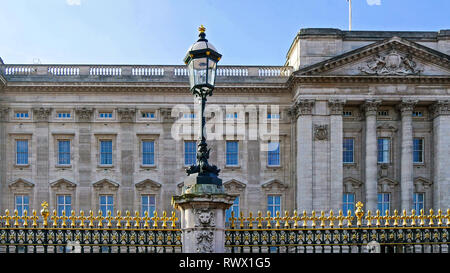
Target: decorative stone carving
(422,184)
(105,184)
(336,106)
(391,63)
(321,132)
(84,114)
(302,107)
(370,107)
(234,186)
(204,217)
(441,107)
(126,114)
(383,170)
(166,114)
(387,127)
(386,184)
(4,112)
(21,184)
(205,240)
(148,184)
(274,186)
(63,184)
(351,184)
(41,113)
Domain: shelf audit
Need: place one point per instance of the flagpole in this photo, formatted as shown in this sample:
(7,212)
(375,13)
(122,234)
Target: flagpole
(349,15)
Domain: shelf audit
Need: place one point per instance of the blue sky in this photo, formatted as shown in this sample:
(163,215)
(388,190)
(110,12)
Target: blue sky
(246,32)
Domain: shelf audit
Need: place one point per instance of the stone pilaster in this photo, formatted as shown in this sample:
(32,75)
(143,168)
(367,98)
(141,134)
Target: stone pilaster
(370,111)
(303,110)
(406,171)
(85,163)
(440,112)
(336,167)
(127,138)
(4,114)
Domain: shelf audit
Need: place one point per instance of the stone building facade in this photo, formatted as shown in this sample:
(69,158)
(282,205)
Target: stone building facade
(363,116)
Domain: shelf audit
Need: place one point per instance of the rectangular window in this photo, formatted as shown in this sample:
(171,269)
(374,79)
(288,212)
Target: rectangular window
(105,115)
(190,152)
(22,204)
(384,203)
(106,152)
(64,203)
(273,116)
(189,116)
(63,115)
(148,152)
(273,154)
(22,152)
(234,208)
(383,113)
(384,150)
(148,115)
(232,153)
(348,150)
(348,203)
(106,204)
(417,114)
(274,204)
(347,113)
(22,115)
(231,115)
(419,201)
(64,152)
(148,204)
(418,150)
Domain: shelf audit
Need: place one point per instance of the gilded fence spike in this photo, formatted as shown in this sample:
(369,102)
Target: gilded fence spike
(91,219)
(82,218)
(439,217)
(7,218)
(241,219)
(295,218)
(359,213)
(331,218)
(250,219)
(136,219)
(286,219)
(404,218)
(413,218)
(422,218)
(73,218)
(127,219)
(100,219)
(349,218)
(164,219)
(146,219)
(118,218)
(448,217)
(44,213)
(155,219)
(378,217)
(313,219)
(386,217)
(322,219)
(431,217)
(232,220)
(109,218)
(304,218)
(259,219)
(63,219)
(174,219)
(16,218)
(34,218)
(341,218)
(25,218)
(268,219)
(277,219)
(55,218)
(369,218)
(395,217)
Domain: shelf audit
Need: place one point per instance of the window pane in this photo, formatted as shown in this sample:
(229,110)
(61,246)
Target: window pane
(273,155)
(232,153)
(190,152)
(22,151)
(148,153)
(106,152)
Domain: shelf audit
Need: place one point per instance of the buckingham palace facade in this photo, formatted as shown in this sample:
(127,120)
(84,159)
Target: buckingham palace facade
(361,116)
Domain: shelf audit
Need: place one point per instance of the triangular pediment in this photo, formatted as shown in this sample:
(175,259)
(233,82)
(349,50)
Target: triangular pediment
(391,57)
(105,183)
(234,185)
(148,184)
(21,183)
(386,184)
(351,184)
(274,184)
(62,183)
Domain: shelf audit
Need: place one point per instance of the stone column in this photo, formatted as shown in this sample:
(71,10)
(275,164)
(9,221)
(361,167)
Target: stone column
(406,173)
(370,110)
(336,167)
(440,112)
(303,109)
(4,114)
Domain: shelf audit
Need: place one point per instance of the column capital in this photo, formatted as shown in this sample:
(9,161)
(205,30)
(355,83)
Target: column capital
(301,107)
(336,106)
(441,107)
(369,107)
(406,106)
(4,112)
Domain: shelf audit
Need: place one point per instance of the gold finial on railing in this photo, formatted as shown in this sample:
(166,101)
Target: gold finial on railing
(7,218)
(369,218)
(378,217)
(25,218)
(136,219)
(127,219)
(439,216)
(422,218)
(395,217)
(232,220)
(431,217)
(295,218)
(63,219)
(54,218)
(109,218)
(331,218)
(448,217)
(241,219)
(341,219)
(404,218)
(259,219)
(72,218)
(304,218)
(386,217)
(82,218)
(268,219)
(146,219)
(164,219)
(100,219)
(250,219)
(286,219)
(349,218)
(413,217)
(16,218)
(277,219)
(174,219)
(322,219)
(118,218)
(359,213)
(91,218)
(155,219)
(45,213)
(313,218)
(34,218)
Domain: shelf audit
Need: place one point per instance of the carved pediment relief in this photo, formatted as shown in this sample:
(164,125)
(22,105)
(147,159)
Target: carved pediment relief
(63,184)
(148,184)
(105,184)
(351,184)
(386,184)
(21,184)
(391,57)
(234,186)
(274,185)
(422,184)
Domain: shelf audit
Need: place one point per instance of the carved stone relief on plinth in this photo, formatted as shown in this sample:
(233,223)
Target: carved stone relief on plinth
(391,63)
(204,218)
(321,132)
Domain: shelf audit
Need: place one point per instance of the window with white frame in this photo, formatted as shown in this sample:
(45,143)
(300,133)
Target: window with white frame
(348,150)
(384,202)
(64,152)
(417,114)
(148,204)
(148,114)
(232,156)
(234,208)
(63,115)
(418,150)
(64,203)
(106,152)
(273,116)
(273,204)
(22,152)
(105,114)
(148,152)
(273,154)
(22,203)
(231,115)
(418,201)
(348,203)
(384,150)
(190,152)
(347,113)
(106,203)
(22,115)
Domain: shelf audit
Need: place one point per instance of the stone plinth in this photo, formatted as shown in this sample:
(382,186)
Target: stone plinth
(203,220)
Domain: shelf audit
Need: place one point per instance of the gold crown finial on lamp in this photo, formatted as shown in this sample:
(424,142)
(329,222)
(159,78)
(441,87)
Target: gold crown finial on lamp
(201,29)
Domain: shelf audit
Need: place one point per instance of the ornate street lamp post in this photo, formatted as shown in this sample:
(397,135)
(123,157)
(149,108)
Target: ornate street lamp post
(201,60)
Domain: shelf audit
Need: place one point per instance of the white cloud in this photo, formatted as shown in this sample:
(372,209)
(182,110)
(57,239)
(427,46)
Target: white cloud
(73,2)
(373,2)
